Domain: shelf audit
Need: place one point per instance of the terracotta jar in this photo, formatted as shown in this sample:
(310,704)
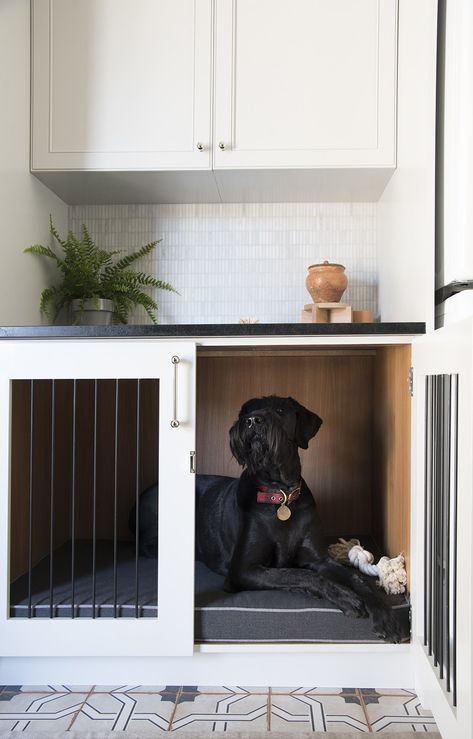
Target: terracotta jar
(326,282)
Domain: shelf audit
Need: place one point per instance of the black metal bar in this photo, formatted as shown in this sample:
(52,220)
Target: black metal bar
(94,507)
(427,507)
(445,486)
(434,515)
(455,545)
(73,496)
(441,553)
(446,526)
(438,477)
(438,528)
(51,501)
(30,499)
(115,503)
(137,495)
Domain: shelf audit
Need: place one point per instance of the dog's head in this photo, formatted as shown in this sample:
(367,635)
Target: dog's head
(268,432)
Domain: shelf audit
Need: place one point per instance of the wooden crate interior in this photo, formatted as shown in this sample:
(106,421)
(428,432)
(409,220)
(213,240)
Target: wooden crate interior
(358,465)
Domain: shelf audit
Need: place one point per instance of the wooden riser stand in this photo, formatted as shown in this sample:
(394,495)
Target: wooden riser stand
(334,313)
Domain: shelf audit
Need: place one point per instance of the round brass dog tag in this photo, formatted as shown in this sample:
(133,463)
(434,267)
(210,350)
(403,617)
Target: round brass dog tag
(283,512)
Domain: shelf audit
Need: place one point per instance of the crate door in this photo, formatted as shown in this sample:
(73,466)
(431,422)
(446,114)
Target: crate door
(90,429)
(442,525)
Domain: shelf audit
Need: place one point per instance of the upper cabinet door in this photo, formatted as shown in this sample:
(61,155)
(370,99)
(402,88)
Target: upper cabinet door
(120,85)
(305,83)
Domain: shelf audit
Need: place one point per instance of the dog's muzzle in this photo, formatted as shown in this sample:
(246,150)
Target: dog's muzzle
(252,421)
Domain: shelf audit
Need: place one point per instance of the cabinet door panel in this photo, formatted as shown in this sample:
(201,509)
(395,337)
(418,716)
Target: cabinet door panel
(86,429)
(442,585)
(121,86)
(305,83)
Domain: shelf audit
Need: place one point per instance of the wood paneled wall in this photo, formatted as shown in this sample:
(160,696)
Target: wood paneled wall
(392,449)
(358,466)
(337,386)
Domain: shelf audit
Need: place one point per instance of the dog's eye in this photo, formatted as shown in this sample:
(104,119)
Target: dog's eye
(280,411)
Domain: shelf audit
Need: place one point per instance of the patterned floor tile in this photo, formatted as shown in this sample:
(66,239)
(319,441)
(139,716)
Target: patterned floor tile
(395,713)
(132,688)
(330,713)
(56,688)
(124,711)
(388,691)
(41,712)
(313,691)
(232,712)
(217,689)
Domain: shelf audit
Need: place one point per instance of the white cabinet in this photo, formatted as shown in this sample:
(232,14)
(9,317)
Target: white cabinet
(121,87)
(234,84)
(64,426)
(440,566)
(305,83)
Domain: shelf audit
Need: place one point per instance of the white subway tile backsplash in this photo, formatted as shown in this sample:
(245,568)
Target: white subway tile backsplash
(248,260)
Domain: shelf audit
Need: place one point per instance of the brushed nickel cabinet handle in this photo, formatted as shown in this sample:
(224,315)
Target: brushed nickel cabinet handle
(199,146)
(221,145)
(174,422)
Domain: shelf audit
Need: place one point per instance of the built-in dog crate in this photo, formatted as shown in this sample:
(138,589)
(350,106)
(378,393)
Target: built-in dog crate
(83,449)
(90,423)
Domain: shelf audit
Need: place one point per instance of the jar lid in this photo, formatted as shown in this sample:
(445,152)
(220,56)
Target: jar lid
(326,264)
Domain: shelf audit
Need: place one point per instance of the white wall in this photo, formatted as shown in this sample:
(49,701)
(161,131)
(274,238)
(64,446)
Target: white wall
(241,260)
(25,204)
(405,226)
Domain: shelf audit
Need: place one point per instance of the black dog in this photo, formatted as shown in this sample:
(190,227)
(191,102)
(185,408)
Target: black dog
(262,531)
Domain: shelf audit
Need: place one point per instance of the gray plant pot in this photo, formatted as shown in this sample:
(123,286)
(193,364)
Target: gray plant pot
(92,312)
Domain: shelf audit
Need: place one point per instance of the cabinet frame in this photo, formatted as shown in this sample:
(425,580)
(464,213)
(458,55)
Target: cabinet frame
(171,633)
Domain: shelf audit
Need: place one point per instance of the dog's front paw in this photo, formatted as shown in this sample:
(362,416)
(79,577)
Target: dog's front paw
(353,606)
(387,627)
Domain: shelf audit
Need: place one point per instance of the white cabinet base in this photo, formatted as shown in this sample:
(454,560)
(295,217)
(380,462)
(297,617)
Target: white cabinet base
(382,666)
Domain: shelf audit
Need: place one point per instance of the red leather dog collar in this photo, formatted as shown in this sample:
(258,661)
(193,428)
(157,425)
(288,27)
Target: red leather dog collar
(277,497)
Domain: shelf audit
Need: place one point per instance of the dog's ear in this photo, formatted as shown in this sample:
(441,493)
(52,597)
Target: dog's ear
(236,444)
(307,425)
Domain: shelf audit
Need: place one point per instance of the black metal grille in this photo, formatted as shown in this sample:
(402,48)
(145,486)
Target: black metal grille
(82,452)
(440,574)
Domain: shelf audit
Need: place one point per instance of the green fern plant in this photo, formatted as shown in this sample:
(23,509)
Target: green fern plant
(89,272)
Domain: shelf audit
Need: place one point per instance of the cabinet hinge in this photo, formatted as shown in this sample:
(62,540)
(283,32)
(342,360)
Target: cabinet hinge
(411,381)
(192,462)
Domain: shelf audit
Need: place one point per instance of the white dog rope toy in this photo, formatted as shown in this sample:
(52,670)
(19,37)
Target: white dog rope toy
(391,573)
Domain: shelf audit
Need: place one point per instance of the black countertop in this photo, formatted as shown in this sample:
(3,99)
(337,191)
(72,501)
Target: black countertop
(199,330)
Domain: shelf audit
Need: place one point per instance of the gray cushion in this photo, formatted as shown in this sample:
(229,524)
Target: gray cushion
(249,616)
